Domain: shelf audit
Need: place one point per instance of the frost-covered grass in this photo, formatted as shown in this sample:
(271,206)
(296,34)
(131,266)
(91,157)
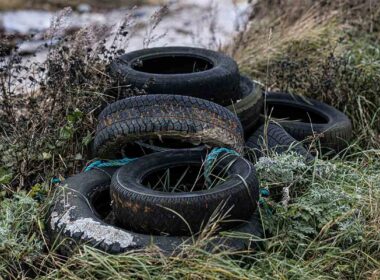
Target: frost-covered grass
(329,228)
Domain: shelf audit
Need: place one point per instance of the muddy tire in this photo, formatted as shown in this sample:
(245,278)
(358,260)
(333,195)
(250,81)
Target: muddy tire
(249,108)
(179,70)
(273,138)
(181,121)
(144,209)
(303,118)
(78,216)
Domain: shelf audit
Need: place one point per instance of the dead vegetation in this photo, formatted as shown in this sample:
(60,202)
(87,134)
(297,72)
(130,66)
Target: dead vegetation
(59,4)
(48,109)
(327,50)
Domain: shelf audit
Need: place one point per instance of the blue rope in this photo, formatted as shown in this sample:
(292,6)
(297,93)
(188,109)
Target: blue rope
(110,163)
(211,157)
(55,180)
(264,193)
(98,164)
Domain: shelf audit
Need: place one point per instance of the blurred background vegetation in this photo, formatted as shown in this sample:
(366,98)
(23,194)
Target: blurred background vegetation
(58,4)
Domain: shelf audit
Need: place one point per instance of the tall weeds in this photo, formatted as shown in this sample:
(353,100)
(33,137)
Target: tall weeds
(327,50)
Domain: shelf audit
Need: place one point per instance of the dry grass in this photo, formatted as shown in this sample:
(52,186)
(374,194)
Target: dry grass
(268,39)
(317,26)
(327,50)
(10,5)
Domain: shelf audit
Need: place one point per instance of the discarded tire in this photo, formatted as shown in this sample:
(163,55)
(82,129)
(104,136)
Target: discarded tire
(303,118)
(248,109)
(178,121)
(73,217)
(144,209)
(176,131)
(78,217)
(179,70)
(273,138)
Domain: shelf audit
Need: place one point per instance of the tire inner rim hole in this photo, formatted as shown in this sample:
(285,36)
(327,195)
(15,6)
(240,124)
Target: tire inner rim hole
(287,112)
(174,64)
(185,178)
(101,203)
(155,144)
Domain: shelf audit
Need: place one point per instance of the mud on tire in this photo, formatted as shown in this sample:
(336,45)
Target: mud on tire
(181,120)
(78,216)
(147,210)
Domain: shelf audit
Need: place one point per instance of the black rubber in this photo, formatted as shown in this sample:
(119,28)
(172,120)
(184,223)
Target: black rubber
(173,70)
(151,211)
(182,121)
(249,108)
(74,207)
(273,138)
(303,118)
(78,216)
(152,148)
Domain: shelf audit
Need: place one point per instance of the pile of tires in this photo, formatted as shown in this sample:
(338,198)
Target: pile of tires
(186,121)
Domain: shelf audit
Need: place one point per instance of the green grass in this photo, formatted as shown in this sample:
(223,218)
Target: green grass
(328,227)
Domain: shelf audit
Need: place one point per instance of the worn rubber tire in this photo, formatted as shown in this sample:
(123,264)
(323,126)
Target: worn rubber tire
(182,118)
(73,221)
(219,84)
(146,210)
(273,138)
(335,128)
(249,108)
(72,217)
(150,148)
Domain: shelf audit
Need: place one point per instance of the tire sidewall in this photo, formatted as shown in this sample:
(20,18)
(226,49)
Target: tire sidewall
(333,117)
(83,185)
(219,84)
(136,204)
